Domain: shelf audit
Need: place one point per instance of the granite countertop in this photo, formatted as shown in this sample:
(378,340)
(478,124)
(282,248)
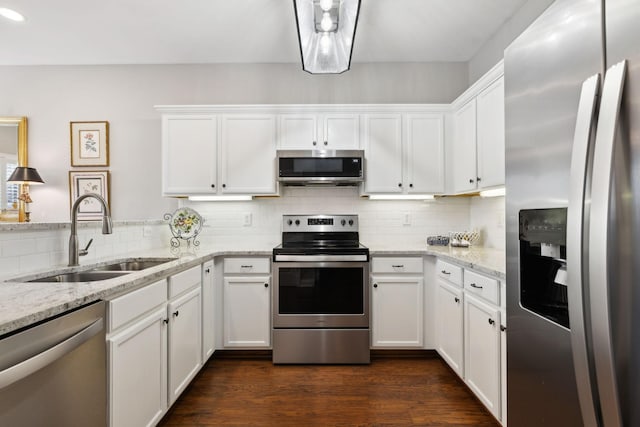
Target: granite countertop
(24,303)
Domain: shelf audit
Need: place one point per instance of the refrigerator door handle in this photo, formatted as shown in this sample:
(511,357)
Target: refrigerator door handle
(576,274)
(599,234)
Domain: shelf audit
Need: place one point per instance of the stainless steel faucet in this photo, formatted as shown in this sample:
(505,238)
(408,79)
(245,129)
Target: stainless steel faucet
(107,227)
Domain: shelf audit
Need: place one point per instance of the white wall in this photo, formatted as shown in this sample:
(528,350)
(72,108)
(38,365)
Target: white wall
(493,50)
(124,95)
(487,215)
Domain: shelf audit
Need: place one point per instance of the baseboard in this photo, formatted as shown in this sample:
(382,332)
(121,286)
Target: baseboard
(375,354)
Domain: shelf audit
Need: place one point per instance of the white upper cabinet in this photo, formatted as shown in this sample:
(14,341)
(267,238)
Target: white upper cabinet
(189,154)
(463,159)
(334,131)
(248,154)
(490,138)
(383,153)
(425,153)
(404,153)
(477,152)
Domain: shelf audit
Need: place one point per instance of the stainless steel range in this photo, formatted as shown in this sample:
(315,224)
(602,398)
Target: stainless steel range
(321,291)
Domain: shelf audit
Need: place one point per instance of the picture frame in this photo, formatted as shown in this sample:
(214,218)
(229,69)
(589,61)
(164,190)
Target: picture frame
(89,143)
(83,182)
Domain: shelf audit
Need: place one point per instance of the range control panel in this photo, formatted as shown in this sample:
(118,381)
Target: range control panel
(319,223)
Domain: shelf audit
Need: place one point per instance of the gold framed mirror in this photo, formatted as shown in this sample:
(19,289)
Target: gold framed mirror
(13,153)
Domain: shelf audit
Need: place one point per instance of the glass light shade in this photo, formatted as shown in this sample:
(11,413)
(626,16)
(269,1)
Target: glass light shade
(25,175)
(326,51)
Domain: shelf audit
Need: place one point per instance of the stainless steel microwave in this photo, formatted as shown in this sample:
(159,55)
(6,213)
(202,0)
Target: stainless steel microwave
(320,167)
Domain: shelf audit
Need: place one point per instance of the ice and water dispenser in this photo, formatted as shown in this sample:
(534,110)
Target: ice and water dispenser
(543,272)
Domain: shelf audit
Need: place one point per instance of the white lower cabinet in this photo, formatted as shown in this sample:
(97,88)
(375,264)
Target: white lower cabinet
(397,289)
(247,303)
(449,326)
(482,352)
(138,372)
(154,343)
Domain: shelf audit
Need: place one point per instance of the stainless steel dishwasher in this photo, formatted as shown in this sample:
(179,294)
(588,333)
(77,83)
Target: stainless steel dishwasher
(54,374)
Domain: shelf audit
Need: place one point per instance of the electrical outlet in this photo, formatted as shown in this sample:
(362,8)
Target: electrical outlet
(406,218)
(247,220)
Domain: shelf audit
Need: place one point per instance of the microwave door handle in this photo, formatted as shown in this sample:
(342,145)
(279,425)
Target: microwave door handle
(601,229)
(585,124)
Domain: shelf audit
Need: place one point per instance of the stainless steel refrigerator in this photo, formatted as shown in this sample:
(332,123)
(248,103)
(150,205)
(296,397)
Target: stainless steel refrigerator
(572,86)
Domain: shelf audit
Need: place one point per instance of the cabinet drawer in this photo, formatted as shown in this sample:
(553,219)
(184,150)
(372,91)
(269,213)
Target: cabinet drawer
(178,283)
(131,305)
(396,265)
(486,287)
(450,272)
(247,265)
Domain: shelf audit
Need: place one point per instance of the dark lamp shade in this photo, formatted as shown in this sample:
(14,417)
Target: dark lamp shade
(25,175)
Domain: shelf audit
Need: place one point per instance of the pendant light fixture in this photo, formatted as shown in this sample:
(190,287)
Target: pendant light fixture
(326,29)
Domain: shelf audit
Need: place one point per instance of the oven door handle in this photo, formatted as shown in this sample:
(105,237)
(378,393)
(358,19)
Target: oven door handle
(321,258)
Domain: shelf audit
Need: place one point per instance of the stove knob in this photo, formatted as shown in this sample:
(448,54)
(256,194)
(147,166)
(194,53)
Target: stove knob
(343,222)
(297,222)
(350,222)
(289,222)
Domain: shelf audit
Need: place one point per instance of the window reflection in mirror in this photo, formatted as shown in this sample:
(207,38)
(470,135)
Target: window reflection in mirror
(13,149)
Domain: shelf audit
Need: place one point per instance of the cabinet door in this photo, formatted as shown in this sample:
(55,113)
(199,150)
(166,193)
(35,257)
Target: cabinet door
(208,320)
(189,154)
(449,325)
(185,341)
(248,154)
(138,372)
(397,309)
(482,352)
(425,153)
(490,126)
(297,132)
(340,132)
(464,148)
(247,312)
(383,153)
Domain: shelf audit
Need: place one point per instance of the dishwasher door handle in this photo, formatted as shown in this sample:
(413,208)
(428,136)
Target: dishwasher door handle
(28,366)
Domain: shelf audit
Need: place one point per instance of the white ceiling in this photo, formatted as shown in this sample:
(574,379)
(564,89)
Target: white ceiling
(237,31)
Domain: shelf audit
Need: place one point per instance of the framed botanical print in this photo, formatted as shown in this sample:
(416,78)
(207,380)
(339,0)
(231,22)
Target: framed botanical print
(81,183)
(89,143)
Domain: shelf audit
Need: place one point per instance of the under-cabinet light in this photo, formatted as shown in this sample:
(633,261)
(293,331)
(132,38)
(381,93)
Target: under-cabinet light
(220,198)
(494,192)
(11,14)
(401,197)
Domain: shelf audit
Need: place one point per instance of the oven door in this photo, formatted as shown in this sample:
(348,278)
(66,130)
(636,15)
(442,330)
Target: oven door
(321,295)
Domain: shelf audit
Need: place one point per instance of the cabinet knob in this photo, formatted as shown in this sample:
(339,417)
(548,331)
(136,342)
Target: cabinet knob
(478,178)
(471,181)
(456,299)
(503,328)
(315,143)
(224,185)
(491,321)
(375,285)
(399,184)
(213,186)
(208,270)
(410,185)
(326,143)
(176,313)
(266,285)
(165,321)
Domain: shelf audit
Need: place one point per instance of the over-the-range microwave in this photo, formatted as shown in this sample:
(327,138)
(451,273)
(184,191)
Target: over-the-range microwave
(320,167)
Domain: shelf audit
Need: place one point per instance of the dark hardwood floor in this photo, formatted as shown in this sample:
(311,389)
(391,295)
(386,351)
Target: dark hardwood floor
(389,392)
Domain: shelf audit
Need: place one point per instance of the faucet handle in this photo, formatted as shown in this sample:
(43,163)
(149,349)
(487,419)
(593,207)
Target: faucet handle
(85,251)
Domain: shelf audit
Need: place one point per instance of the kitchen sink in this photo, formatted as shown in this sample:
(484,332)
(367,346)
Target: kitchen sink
(133,265)
(81,276)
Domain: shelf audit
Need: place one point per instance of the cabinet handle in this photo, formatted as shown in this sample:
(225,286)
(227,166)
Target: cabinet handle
(410,185)
(213,186)
(399,184)
(478,178)
(176,313)
(397,266)
(326,143)
(471,181)
(503,328)
(315,143)
(473,285)
(246,266)
(266,285)
(375,285)
(445,272)
(166,321)
(491,321)
(457,300)
(208,270)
